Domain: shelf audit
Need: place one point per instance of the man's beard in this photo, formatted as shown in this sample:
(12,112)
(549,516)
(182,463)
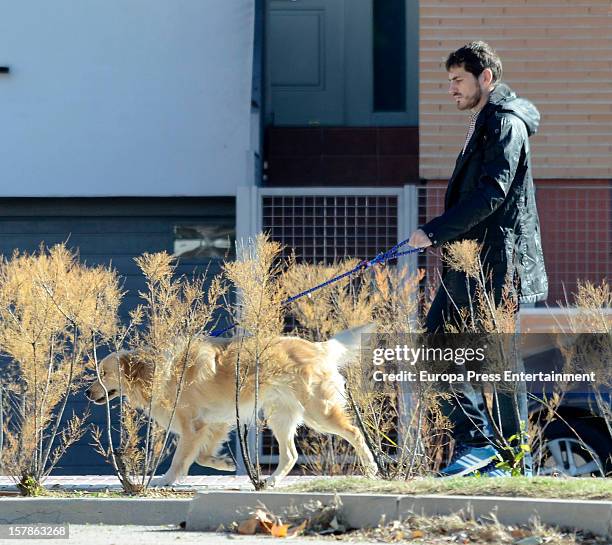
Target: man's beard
(472,101)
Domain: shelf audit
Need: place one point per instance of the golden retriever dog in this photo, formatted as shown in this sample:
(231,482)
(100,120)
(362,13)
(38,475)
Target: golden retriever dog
(300,383)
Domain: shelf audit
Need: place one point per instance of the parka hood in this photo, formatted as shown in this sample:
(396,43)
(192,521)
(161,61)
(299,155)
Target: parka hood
(505,99)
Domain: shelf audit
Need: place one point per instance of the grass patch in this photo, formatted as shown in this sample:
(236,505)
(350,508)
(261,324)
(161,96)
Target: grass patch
(536,487)
(154,493)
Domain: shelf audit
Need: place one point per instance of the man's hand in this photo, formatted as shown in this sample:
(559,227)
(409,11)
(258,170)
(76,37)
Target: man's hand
(419,239)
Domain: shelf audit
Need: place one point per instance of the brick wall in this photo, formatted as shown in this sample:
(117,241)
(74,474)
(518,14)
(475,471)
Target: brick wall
(341,156)
(557,53)
(576,221)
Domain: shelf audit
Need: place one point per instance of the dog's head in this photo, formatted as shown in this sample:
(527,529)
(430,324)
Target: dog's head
(120,373)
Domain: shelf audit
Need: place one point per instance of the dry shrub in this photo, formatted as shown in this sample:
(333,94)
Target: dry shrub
(175,311)
(586,341)
(259,316)
(318,316)
(594,302)
(396,300)
(590,352)
(337,306)
(583,336)
(403,425)
(483,314)
(402,420)
(54,311)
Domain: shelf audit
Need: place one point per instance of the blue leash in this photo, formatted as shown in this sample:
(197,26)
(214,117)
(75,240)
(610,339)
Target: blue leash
(382,257)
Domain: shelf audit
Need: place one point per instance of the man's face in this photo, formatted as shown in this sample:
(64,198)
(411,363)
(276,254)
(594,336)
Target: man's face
(464,87)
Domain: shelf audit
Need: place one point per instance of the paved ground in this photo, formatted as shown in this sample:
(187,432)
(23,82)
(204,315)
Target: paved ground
(103,482)
(157,535)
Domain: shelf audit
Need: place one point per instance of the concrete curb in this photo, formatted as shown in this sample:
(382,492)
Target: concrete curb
(594,516)
(208,510)
(137,511)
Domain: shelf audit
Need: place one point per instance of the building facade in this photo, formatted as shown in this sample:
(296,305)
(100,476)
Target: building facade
(181,125)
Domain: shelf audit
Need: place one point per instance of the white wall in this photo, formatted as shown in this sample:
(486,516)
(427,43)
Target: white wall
(125,97)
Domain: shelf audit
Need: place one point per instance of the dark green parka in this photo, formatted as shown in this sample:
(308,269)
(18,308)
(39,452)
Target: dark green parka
(491,199)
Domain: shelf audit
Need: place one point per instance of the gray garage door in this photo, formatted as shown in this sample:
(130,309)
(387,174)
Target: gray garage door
(115,231)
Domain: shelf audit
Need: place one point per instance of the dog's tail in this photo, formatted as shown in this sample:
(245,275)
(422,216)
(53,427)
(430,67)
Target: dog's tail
(348,342)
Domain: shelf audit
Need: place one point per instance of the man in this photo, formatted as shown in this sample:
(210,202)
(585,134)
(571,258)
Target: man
(490,198)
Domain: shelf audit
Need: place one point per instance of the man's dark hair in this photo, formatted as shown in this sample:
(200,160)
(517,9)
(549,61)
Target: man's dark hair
(475,57)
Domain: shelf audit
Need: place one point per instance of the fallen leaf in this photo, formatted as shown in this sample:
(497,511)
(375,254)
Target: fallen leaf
(263,516)
(279,530)
(297,530)
(266,526)
(416,534)
(248,527)
(397,535)
(265,520)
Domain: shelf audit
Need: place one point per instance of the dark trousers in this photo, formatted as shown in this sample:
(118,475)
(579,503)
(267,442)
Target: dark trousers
(466,408)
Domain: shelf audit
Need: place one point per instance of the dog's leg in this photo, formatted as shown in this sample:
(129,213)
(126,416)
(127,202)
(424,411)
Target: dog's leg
(283,425)
(189,444)
(220,463)
(336,421)
(216,435)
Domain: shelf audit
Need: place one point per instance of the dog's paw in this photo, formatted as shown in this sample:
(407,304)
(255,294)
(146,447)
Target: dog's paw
(271,482)
(217,462)
(224,464)
(161,480)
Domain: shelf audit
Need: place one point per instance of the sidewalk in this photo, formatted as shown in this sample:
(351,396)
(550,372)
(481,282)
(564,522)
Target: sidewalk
(162,535)
(225,499)
(110,482)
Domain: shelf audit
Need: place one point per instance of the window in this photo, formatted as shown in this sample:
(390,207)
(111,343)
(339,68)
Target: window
(389,55)
(203,241)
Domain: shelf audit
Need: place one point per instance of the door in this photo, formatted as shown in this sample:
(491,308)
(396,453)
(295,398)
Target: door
(305,54)
(328,60)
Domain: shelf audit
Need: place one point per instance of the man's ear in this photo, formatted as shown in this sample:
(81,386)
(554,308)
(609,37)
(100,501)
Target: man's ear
(134,368)
(486,78)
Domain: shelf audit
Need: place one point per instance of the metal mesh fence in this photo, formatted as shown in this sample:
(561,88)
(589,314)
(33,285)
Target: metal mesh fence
(576,222)
(328,228)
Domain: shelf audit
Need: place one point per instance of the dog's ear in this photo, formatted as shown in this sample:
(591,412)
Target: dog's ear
(135,368)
